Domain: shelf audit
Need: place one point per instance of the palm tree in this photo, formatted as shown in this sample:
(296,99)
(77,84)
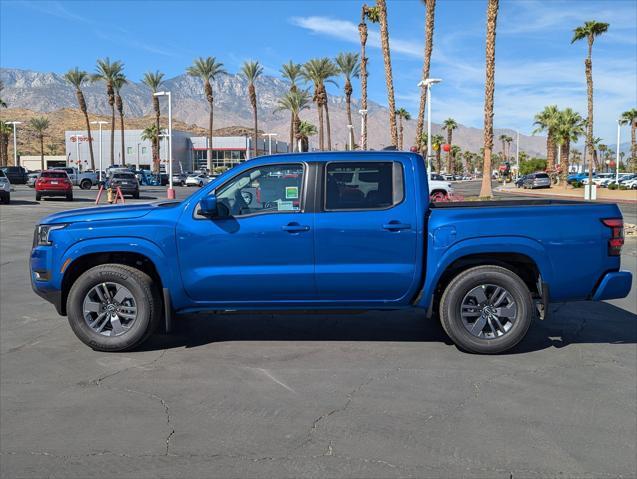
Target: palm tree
(107,71)
(152,133)
(118,83)
(449,124)
(379,15)
(362,31)
(306,129)
(596,143)
(548,120)
(206,69)
(292,72)
(40,125)
(5,131)
(630,118)
(294,102)
(78,78)
(320,71)
(251,71)
(402,114)
(589,30)
(430,7)
(455,153)
(154,81)
(489,88)
(349,67)
(436,144)
(3,104)
(503,139)
(570,127)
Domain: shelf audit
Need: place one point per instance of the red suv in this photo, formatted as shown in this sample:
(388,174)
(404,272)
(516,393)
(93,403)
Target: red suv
(54,183)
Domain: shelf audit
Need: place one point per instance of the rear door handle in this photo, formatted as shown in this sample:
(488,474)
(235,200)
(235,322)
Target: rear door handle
(396,226)
(295,228)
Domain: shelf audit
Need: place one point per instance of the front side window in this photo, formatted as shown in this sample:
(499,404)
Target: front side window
(363,185)
(271,188)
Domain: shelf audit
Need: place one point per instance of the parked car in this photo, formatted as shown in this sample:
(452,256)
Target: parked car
(448,177)
(254,239)
(53,183)
(17,174)
(33,177)
(520,181)
(537,180)
(5,188)
(126,181)
(85,180)
(572,178)
(179,179)
(632,184)
(598,178)
(197,180)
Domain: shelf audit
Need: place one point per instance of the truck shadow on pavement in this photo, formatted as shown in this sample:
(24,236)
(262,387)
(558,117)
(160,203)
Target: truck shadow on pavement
(570,323)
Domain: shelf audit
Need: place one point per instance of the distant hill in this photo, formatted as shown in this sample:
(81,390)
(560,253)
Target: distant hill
(48,92)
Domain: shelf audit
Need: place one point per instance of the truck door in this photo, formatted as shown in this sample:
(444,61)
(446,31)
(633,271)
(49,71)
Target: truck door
(263,252)
(366,233)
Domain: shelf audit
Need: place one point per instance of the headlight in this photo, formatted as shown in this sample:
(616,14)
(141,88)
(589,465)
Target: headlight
(42,232)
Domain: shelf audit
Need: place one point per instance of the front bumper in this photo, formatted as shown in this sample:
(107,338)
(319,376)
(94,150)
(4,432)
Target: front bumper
(613,286)
(43,282)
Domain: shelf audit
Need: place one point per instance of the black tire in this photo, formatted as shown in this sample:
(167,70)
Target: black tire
(136,195)
(146,297)
(38,197)
(461,285)
(86,184)
(69,197)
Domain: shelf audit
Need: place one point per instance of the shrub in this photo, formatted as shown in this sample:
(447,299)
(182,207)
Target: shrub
(623,187)
(612,186)
(577,184)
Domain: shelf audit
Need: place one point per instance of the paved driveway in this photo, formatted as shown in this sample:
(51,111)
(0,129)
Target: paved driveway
(368,395)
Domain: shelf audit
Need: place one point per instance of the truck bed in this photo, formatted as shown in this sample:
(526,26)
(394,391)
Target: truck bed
(507,203)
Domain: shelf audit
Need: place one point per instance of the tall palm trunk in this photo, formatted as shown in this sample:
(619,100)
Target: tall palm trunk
(211,99)
(633,144)
(3,149)
(384,41)
(253,101)
(297,130)
(362,30)
(504,150)
(400,127)
(324,101)
(348,105)
(82,102)
(42,168)
(438,160)
(430,6)
(449,140)
(320,121)
(489,87)
(588,65)
(120,109)
(111,102)
(156,152)
(550,151)
(564,157)
(291,147)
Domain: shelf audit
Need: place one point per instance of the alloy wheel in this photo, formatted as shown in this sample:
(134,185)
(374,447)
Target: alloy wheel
(109,309)
(488,311)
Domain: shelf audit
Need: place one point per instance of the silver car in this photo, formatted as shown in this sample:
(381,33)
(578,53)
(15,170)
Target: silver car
(537,180)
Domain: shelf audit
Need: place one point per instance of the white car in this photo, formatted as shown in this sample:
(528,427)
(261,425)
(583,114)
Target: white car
(632,184)
(197,180)
(440,190)
(600,178)
(5,188)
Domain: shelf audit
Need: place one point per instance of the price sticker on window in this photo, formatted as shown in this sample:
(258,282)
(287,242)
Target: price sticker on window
(291,192)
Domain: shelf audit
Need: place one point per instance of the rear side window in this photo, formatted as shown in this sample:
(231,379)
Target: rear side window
(541,175)
(363,185)
(54,174)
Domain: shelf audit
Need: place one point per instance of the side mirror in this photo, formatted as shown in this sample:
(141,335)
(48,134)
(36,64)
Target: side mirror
(210,208)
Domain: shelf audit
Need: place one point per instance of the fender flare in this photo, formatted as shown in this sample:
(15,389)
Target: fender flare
(521,245)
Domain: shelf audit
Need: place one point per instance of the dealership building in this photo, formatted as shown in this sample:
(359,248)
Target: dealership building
(189,152)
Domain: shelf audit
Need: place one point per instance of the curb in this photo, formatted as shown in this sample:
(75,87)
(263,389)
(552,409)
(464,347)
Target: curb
(557,197)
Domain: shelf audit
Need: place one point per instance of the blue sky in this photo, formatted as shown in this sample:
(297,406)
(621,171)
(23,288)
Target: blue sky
(536,64)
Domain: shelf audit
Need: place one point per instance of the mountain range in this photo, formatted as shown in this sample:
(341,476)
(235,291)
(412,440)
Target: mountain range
(48,92)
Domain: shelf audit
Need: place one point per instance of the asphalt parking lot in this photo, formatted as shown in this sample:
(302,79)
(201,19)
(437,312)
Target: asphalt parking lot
(367,395)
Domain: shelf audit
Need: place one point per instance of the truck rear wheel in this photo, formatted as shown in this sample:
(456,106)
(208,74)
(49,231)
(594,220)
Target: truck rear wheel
(113,307)
(486,310)
(86,184)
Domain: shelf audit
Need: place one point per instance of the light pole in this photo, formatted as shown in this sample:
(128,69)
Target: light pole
(270,135)
(171,191)
(427,82)
(15,141)
(100,123)
(619,129)
(350,131)
(138,156)
(517,155)
(77,149)
(363,130)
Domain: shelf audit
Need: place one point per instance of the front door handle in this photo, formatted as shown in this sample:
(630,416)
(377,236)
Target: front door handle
(295,228)
(396,226)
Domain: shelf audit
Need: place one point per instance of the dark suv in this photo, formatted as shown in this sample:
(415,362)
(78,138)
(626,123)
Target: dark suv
(17,175)
(127,183)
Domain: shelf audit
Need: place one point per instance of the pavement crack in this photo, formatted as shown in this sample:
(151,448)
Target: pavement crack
(168,422)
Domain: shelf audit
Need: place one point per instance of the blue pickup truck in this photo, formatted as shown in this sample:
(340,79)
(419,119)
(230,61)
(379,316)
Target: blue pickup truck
(328,231)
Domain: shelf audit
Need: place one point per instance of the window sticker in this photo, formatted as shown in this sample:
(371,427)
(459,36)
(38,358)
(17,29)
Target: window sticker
(291,192)
(286,206)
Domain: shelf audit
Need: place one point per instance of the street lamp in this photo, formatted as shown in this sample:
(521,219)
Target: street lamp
(363,129)
(619,129)
(350,138)
(15,141)
(270,135)
(517,155)
(426,83)
(171,191)
(100,123)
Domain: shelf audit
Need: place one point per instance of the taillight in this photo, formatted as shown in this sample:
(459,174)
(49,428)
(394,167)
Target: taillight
(616,240)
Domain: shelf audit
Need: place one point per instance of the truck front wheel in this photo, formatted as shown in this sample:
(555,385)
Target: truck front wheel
(86,184)
(113,307)
(486,310)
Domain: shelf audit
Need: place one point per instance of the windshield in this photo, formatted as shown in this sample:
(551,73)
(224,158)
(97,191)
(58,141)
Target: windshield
(124,176)
(54,174)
